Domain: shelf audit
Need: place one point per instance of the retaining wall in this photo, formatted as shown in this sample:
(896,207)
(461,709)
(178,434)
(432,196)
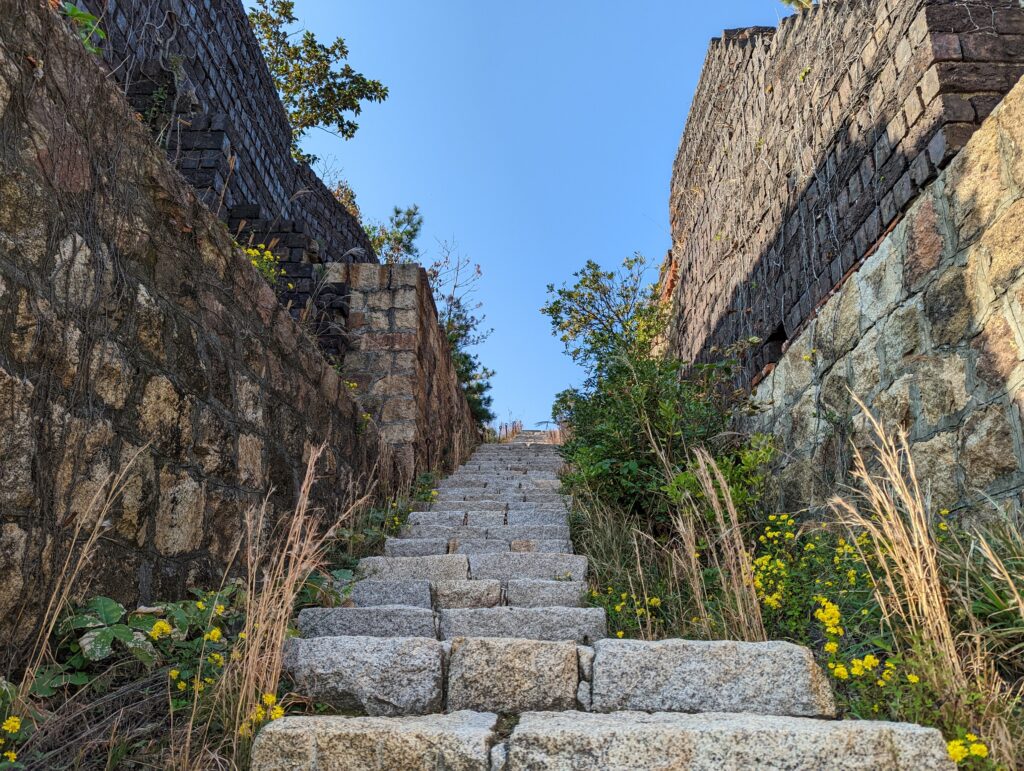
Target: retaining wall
(806,143)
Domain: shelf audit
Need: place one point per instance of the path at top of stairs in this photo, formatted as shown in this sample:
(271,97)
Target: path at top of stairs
(477,610)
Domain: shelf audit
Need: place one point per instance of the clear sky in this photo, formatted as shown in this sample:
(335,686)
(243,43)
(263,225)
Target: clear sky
(535,134)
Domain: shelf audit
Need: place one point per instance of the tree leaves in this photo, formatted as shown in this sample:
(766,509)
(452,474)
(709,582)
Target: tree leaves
(317,88)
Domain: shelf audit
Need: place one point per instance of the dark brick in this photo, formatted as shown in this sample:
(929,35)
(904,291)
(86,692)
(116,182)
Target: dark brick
(990,47)
(921,169)
(948,141)
(903,191)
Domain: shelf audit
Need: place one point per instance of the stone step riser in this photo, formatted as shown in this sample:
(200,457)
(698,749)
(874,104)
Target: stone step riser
(493,671)
(637,741)
(490,495)
(397,621)
(574,741)
(423,528)
(488,505)
(453,567)
(419,547)
(481,593)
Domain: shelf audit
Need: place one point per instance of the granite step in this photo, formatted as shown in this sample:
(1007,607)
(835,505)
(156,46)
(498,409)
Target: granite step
(372,592)
(421,547)
(638,741)
(460,741)
(481,593)
(446,567)
(376,675)
(771,678)
(551,623)
(376,621)
(538,593)
(579,741)
(466,594)
(507,567)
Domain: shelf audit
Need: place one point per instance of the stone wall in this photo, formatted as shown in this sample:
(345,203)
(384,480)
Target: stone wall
(803,146)
(401,361)
(928,332)
(132,325)
(194,72)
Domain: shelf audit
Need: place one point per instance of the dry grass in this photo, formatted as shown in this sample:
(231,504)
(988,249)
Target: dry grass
(740,608)
(219,730)
(678,571)
(915,597)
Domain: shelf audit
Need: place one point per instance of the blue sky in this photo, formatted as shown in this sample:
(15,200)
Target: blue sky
(534,134)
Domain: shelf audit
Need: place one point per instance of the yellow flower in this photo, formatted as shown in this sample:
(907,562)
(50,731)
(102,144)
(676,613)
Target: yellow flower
(242,635)
(978,750)
(219,610)
(620,633)
(174,674)
(943,526)
(277,712)
(654,602)
(831,647)
(201,605)
(856,667)
(840,672)
(182,685)
(245,729)
(269,699)
(957,751)
(971,737)
(912,678)
(870,662)
(214,635)
(160,629)
(11,725)
(11,755)
(216,659)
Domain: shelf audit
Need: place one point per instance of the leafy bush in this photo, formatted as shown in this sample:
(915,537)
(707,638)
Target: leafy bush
(267,263)
(914,617)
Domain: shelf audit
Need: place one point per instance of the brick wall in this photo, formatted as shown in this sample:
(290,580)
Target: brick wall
(229,133)
(132,324)
(805,144)
(929,333)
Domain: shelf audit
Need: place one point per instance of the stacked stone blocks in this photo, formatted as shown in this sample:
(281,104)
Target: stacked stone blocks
(928,334)
(400,363)
(805,144)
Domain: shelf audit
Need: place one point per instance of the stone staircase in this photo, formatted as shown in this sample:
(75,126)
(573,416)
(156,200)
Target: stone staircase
(468,648)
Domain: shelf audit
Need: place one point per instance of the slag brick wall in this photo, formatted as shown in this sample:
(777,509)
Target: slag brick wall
(929,334)
(806,143)
(194,71)
(135,336)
